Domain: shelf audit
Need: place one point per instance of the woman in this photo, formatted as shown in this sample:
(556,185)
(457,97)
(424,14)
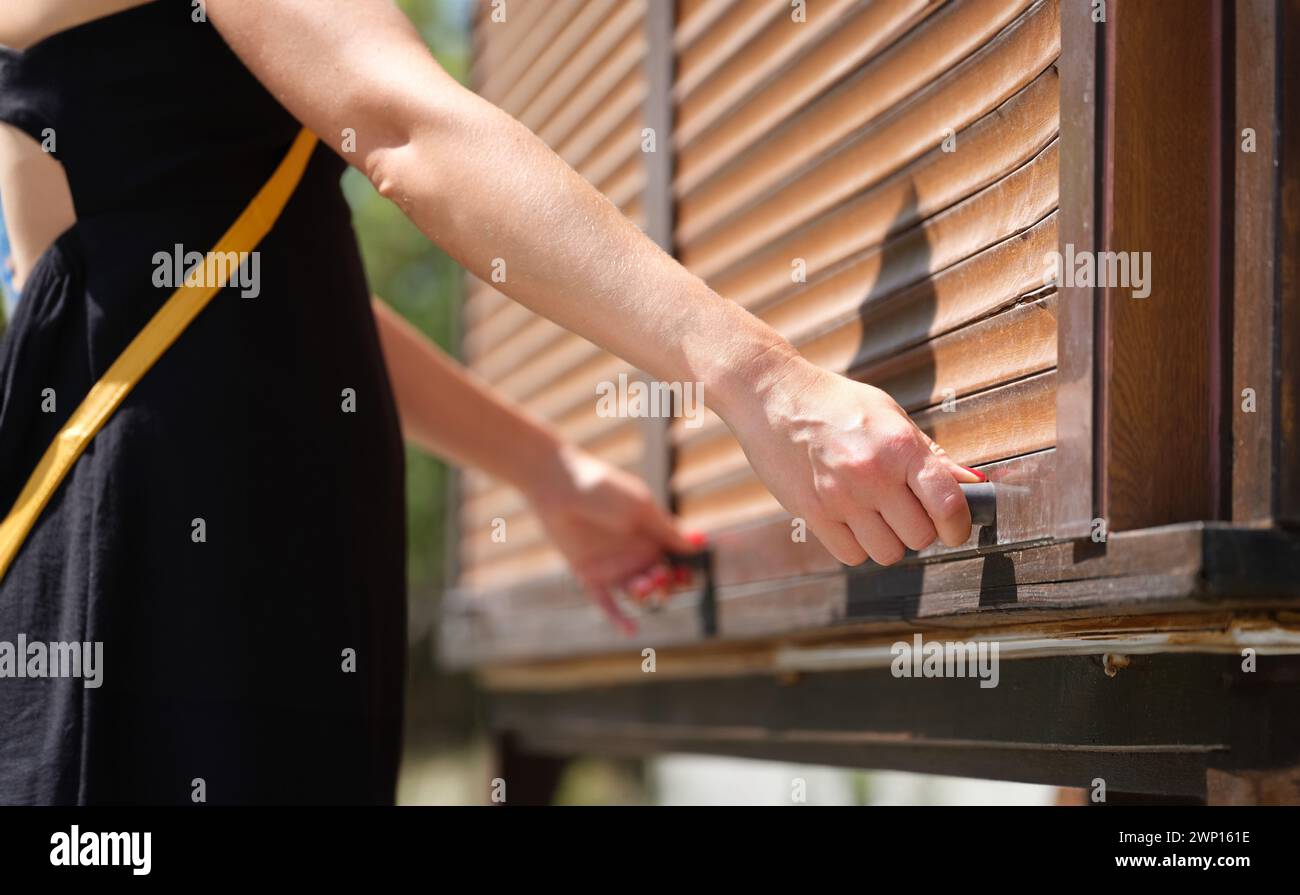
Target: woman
(232,535)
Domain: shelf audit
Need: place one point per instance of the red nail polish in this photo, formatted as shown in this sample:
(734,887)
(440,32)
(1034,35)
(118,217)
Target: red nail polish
(982,476)
(681,575)
(698,539)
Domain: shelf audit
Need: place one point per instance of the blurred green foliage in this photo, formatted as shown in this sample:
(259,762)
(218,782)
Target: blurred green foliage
(424,286)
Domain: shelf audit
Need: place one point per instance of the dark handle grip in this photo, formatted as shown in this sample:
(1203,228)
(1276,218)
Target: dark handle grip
(983,503)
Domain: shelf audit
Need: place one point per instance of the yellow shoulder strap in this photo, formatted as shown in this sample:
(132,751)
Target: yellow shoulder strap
(157,336)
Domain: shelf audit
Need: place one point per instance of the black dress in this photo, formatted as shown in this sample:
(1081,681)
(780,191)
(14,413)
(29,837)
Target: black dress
(256,656)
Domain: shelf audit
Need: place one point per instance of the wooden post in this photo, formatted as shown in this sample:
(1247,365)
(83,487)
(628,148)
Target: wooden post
(1076,442)
(660,60)
(1161,385)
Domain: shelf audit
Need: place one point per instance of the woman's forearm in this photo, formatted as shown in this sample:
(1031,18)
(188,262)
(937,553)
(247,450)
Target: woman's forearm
(498,200)
(447,412)
(493,195)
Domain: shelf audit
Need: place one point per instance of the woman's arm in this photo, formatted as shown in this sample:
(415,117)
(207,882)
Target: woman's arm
(484,187)
(841,455)
(604,521)
(34,192)
(447,412)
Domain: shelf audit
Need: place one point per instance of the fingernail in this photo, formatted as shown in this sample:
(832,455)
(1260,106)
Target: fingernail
(982,477)
(698,539)
(681,575)
(659,577)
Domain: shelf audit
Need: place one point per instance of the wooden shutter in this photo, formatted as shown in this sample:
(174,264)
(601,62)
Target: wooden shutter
(879,183)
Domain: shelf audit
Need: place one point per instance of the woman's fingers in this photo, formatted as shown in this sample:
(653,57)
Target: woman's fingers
(961,473)
(934,486)
(653,582)
(638,587)
(909,520)
(842,543)
(605,600)
(877,537)
(662,527)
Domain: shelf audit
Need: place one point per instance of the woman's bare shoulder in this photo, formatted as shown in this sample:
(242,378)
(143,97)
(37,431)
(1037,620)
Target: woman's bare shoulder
(30,21)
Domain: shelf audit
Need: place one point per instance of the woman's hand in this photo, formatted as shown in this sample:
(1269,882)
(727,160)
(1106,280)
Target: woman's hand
(611,531)
(847,459)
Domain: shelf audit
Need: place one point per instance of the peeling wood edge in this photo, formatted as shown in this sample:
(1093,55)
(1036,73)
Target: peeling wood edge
(1269,633)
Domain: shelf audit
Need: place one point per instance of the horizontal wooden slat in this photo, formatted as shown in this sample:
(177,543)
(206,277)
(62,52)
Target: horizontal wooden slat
(495,41)
(1005,64)
(607,49)
(990,149)
(530,566)
(626,57)
(754,64)
(541,30)
(720,42)
(858,39)
(877,154)
(563,64)
(694,17)
(893,320)
(627,184)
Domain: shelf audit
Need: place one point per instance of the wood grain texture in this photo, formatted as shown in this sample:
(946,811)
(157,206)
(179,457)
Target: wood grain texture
(919,126)
(497,41)
(856,40)
(1288,248)
(1159,443)
(756,63)
(596,27)
(1077,357)
(699,62)
(1026,48)
(540,30)
(991,149)
(1255,295)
